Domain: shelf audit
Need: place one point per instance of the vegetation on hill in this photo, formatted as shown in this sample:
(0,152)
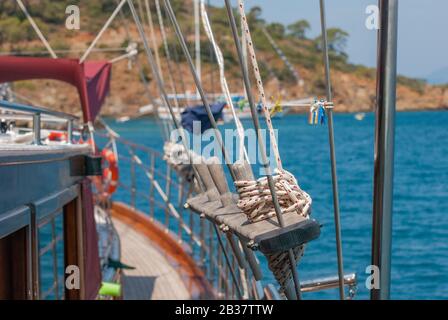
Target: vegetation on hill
(354,82)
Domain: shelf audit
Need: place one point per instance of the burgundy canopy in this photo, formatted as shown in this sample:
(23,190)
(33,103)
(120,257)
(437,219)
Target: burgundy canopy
(92,79)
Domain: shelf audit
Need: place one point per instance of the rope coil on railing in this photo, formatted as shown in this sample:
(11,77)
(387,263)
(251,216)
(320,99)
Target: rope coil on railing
(176,156)
(256,200)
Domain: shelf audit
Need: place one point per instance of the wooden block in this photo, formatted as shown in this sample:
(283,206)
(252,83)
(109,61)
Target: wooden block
(204,174)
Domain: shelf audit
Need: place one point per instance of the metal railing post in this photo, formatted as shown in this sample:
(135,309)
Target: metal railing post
(168,196)
(151,187)
(36,129)
(181,208)
(133,182)
(211,251)
(219,270)
(70,131)
(202,237)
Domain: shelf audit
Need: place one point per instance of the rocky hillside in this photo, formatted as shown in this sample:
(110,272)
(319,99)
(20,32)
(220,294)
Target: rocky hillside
(354,85)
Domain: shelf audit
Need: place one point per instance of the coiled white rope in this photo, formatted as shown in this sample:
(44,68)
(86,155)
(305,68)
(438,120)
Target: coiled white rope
(224,85)
(256,200)
(175,154)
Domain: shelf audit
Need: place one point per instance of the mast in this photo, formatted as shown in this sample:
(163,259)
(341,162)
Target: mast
(384,146)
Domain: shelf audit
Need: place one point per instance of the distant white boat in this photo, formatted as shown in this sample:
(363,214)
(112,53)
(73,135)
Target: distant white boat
(360,116)
(123,119)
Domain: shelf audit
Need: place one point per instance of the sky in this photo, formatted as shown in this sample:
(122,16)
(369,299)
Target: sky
(422,33)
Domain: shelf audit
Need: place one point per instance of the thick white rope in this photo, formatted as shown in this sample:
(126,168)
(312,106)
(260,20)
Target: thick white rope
(256,199)
(36,29)
(256,70)
(224,86)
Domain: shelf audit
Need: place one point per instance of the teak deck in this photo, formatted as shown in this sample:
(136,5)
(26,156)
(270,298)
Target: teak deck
(154,278)
(164,270)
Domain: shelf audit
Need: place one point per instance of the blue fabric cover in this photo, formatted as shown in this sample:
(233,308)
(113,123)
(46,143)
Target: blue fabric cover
(199,113)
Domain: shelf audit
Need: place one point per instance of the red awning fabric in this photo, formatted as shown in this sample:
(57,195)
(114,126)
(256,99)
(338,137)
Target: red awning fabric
(92,79)
(98,74)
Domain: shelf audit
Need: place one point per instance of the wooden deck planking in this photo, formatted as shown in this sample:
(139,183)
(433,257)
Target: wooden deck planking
(154,277)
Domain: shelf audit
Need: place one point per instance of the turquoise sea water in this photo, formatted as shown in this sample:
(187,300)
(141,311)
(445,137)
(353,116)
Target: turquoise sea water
(420,220)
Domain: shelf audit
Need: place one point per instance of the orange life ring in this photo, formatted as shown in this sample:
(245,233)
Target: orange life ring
(57,136)
(108,184)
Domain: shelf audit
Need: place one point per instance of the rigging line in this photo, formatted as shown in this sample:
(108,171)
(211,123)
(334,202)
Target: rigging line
(131,54)
(281,54)
(334,177)
(197,37)
(244,49)
(175,53)
(161,87)
(260,87)
(224,85)
(165,97)
(153,36)
(106,25)
(140,12)
(212,73)
(229,265)
(181,78)
(36,29)
(204,99)
(162,124)
(168,55)
(22,97)
(262,148)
